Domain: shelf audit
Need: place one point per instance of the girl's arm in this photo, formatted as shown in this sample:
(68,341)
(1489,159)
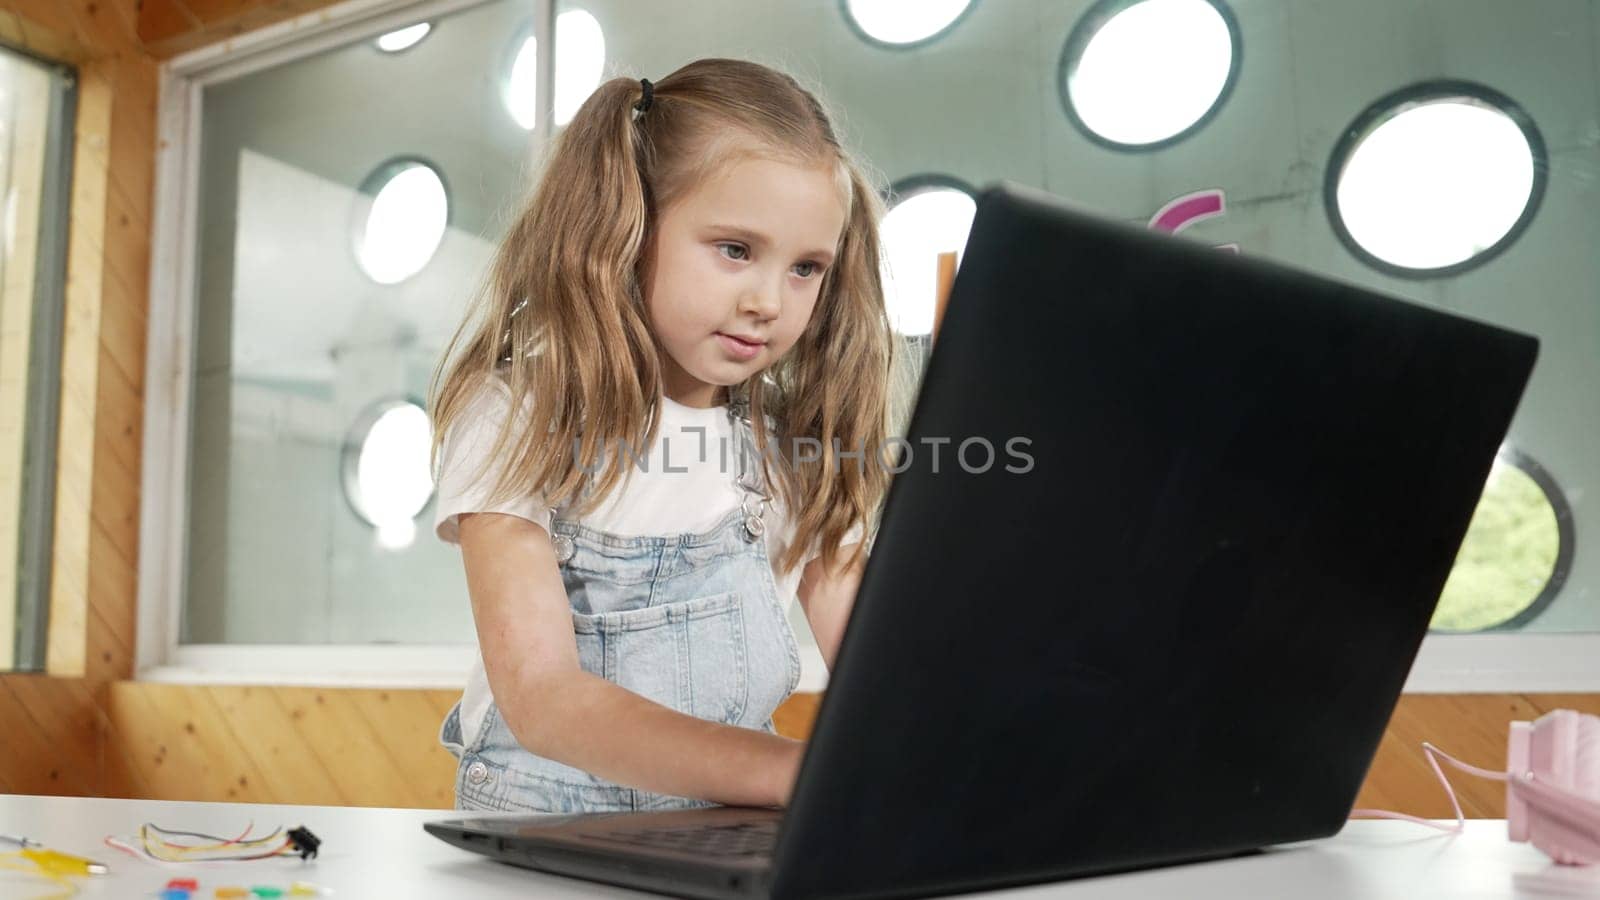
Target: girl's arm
(561,712)
(827,597)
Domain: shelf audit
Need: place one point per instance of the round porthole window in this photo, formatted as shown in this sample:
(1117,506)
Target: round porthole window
(1435,179)
(895,23)
(398,40)
(1143,74)
(580,62)
(386,474)
(402,211)
(929,215)
(1516,554)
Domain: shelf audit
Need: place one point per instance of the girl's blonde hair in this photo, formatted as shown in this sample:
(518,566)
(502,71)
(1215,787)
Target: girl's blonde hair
(561,322)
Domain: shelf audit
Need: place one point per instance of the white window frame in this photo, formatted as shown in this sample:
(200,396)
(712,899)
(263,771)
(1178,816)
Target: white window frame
(169,363)
(1478,663)
(1510,663)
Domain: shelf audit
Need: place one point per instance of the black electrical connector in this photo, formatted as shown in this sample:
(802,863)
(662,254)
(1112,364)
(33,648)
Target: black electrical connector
(305,843)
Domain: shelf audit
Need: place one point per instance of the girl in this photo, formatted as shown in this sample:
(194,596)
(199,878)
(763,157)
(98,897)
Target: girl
(700,255)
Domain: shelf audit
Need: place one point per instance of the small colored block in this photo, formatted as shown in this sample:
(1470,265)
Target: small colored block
(266,890)
(174,894)
(232,892)
(183,884)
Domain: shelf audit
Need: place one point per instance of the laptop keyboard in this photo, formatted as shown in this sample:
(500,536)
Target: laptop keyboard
(739,840)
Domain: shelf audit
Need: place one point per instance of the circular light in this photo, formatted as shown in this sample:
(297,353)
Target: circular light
(920,226)
(1432,181)
(395,41)
(1143,74)
(520,100)
(386,468)
(1515,555)
(406,222)
(898,23)
(580,62)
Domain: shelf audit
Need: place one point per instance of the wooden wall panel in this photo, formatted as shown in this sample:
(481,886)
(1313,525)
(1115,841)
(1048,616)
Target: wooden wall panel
(343,747)
(378,748)
(1470,727)
(796,715)
(57,737)
(36,759)
(170,27)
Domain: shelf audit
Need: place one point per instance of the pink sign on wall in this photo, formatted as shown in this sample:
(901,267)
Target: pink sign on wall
(1191,208)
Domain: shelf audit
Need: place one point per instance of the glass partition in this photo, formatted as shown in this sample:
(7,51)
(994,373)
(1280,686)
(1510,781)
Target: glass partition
(1444,153)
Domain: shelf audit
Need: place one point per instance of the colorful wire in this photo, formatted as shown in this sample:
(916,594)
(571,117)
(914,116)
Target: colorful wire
(16,862)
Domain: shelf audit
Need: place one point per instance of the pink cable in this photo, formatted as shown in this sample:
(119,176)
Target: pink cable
(1433,753)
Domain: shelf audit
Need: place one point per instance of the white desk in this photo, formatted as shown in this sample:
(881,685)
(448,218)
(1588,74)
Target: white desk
(382,853)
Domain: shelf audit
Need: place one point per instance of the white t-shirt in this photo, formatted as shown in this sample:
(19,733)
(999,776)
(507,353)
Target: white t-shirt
(693,495)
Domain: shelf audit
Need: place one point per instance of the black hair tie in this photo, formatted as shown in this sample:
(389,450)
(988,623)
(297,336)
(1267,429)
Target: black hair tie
(649,94)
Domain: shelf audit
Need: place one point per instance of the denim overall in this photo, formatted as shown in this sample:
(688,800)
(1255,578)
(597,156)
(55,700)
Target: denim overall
(692,621)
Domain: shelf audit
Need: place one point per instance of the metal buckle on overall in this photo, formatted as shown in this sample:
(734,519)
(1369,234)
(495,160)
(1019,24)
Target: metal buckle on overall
(564,545)
(755,524)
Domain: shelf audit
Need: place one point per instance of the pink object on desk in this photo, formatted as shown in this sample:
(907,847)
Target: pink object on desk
(1552,786)
(1553,793)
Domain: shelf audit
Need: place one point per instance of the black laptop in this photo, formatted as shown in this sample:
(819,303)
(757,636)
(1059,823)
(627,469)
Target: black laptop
(1177,635)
